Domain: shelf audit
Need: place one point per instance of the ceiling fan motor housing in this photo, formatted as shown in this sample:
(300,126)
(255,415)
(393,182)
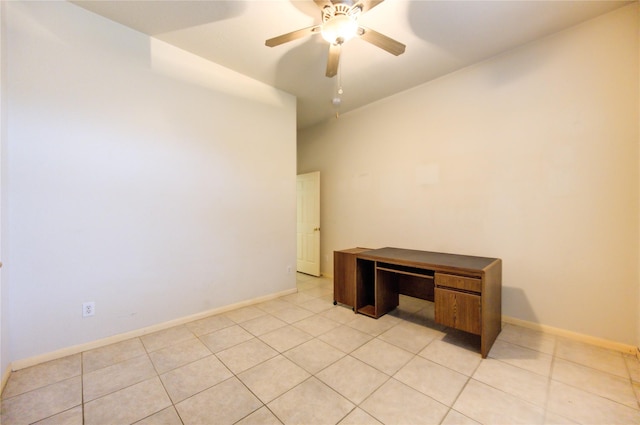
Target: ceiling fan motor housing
(339,23)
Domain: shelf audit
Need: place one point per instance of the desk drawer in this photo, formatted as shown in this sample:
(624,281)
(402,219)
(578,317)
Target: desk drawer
(459,310)
(458,282)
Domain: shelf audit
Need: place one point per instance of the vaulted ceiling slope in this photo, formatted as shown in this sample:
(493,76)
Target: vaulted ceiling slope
(441,37)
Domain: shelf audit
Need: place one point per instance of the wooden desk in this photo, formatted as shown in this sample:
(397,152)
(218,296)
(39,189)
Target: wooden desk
(344,276)
(466,290)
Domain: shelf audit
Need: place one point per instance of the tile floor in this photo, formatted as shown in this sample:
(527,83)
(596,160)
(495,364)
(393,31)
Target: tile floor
(301,360)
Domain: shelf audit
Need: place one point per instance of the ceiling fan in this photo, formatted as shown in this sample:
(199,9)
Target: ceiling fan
(339,24)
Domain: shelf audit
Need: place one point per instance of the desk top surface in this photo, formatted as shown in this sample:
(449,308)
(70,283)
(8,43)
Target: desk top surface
(426,258)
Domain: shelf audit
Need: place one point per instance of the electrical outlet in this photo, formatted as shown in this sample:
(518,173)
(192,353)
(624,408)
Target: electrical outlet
(288,269)
(88,309)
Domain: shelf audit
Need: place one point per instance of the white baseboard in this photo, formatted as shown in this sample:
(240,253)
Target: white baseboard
(32,361)
(600,342)
(42,358)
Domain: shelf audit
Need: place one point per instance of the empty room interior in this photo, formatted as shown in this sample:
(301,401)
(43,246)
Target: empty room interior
(150,209)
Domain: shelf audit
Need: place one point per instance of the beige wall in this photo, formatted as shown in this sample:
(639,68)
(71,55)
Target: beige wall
(133,180)
(531,156)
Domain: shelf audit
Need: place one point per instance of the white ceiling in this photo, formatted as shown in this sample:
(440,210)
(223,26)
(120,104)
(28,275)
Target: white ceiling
(441,37)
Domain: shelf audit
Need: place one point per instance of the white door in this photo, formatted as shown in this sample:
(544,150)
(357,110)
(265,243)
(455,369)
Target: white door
(308,230)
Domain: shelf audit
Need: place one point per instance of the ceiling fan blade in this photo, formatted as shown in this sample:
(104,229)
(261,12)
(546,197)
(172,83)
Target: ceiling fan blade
(365,5)
(323,3)
(332,61)
(382,41)
(294,35)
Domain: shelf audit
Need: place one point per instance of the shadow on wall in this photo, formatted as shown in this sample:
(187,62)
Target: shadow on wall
(517,297)
(534,340)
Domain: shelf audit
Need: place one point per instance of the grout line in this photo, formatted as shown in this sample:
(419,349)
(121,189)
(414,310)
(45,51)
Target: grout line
(550,380)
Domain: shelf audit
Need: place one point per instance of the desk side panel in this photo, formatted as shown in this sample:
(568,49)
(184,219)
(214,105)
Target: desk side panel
(386,292)
(344,277)
(365,285)
(491,306)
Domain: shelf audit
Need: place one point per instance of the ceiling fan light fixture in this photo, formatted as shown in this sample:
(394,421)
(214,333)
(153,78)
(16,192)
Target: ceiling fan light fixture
(339,29)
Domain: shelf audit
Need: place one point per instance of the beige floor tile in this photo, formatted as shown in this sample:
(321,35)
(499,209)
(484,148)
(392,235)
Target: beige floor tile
(41,375)
(359,417)
(396,403)
(273,378)
(262,416)
(111,354)
(525,358)
(297,298)
(190,379)
(489,405)
(209,324)
(113,378)
(410,337)
(274,305)
(373,326)
(284,339)
(424,317)
(293,314)
(432,379)
(589,355)
(325,282)
(457,418)
(316,325)
(345,338)
(383,356)
(263,324)
(319,291)
(168,416)
(594,381)
(178,355)
(128,405)
(72,416)
(633,366)
(460,339)
(454,357)
(410,304)
(225,403)
(165,338)
(307,282)
(318,305)
(243,314)
(352,378)
(226,338)
(587,384)
(584,407)
(310,403)
(411,316)
(341,314)
(551,418)
(528,338)
(521,383)
(246,355)
(42,403)
(314,355)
